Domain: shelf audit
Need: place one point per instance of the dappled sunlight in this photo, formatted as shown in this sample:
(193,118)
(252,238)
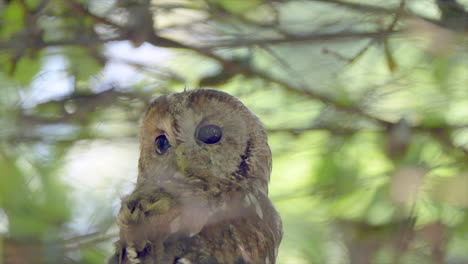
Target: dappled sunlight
(99,173)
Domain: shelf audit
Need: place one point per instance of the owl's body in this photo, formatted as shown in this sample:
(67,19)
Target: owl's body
(202,189)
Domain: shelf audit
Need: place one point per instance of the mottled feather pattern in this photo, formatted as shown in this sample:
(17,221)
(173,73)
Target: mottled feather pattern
(200,202)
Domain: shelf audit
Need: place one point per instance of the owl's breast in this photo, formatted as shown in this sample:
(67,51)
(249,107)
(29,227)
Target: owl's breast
(243,240)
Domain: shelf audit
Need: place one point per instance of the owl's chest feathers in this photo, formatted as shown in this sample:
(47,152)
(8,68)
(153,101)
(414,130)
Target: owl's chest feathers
(215,199)
(188,208)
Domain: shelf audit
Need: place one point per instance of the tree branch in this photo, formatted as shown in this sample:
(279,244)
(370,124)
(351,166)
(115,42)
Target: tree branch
(309,38)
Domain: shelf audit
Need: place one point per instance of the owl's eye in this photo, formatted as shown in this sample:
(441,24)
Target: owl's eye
(209,134)
(161,144)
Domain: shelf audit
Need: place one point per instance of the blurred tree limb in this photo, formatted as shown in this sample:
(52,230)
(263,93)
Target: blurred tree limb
(234,66)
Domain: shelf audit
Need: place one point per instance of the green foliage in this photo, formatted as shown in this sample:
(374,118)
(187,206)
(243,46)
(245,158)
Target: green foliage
(20,69)
(92,256)
(25,69)
(365,103)
(238,7)
(12,20)
(81,64)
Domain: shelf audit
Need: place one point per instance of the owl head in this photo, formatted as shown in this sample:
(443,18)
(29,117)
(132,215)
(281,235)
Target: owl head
(203,138)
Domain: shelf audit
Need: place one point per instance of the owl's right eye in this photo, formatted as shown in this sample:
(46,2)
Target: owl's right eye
(161,144)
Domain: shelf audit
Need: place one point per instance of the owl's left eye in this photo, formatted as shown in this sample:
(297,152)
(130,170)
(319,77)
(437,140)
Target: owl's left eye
(209,134)
(161,144)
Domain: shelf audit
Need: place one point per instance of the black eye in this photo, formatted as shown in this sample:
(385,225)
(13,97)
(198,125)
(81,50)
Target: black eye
(161,144)
(209,134)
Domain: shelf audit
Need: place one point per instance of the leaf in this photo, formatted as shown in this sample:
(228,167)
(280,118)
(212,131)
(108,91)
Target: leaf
(238,6)
(442,72)
(24,69)
(92,256)
(32,4)
(11,182)
(434,119)
(12,20)
(336,175)
(49,110)
(80,63)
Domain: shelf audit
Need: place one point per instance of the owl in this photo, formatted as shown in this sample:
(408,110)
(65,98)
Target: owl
(201,195)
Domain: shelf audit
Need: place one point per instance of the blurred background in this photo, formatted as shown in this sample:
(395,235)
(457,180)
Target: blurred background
(365,102)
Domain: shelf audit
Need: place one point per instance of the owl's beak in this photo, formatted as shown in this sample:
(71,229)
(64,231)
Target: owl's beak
(182,159)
